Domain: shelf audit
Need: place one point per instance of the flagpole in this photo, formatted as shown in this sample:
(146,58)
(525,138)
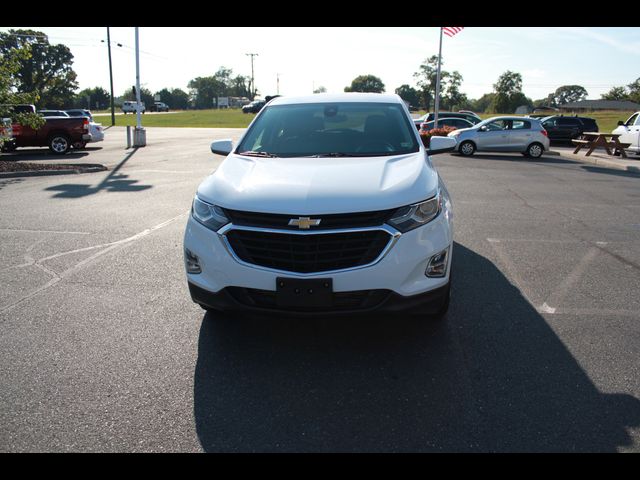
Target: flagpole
(437,104)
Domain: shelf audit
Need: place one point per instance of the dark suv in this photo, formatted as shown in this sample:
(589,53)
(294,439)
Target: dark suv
(568,128)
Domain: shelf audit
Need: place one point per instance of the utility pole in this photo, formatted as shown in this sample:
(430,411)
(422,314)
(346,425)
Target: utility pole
(113,112)
(277,84)
(253,85)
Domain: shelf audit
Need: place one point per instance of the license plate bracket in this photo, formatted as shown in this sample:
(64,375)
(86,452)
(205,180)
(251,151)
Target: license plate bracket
(296,292)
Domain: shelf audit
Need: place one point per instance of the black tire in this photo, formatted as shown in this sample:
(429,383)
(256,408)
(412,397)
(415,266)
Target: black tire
(59,144)
(79,145)
(467,148)
(535,150)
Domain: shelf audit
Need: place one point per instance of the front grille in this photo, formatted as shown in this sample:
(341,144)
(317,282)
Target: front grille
(342,301)
(327,222)
(309,252)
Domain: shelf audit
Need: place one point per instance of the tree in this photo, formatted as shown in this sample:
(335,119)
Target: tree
(10,61)
(484,102)
(634,91)
(568,94)
(96,98)
(320,89)
(176,99)
(366,83)
(205,90)
(146,96)
(452,97)
(179,99)
(508,93)
(426,80)
(47,71)
(240,86)
(408,94)
(616,93)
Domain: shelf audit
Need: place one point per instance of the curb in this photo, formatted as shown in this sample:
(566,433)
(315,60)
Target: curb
(92,168)
(602,162)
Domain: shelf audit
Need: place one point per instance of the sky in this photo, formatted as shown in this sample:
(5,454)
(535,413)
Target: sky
(598,58)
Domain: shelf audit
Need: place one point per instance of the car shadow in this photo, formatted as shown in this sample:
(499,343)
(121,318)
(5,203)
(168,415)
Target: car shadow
(113,182)
(34,154)
(492,377)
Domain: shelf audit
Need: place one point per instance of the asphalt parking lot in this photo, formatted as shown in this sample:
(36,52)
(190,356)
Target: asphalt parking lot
(102,349)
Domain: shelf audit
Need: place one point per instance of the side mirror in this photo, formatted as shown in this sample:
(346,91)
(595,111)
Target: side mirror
(441,145)
(483,128)
(620,123)
(222,147)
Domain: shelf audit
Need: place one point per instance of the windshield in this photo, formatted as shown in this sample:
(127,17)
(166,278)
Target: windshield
(330,129)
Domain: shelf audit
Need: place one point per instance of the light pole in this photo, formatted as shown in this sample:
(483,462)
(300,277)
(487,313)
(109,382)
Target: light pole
(253,85)
(139,136)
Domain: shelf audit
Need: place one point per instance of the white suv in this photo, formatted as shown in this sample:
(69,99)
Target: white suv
(328,204)
(132,107)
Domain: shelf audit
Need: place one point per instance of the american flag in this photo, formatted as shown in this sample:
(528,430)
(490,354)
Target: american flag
(451,31)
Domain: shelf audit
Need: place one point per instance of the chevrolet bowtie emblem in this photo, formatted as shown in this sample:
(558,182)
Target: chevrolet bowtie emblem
(304,223)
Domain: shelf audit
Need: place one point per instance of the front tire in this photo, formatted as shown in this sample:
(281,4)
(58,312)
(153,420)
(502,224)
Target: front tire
(59,144)
(467,148)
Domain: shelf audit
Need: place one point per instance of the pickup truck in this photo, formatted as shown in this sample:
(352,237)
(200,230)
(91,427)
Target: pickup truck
(58,133)
(630,132)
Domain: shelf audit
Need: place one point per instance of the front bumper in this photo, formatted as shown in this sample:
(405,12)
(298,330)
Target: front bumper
(397,279)
(234,299)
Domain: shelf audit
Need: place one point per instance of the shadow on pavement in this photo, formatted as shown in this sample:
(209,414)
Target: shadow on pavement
(8,181)
(113,182)
(34,154)
(612,171)
(492,377)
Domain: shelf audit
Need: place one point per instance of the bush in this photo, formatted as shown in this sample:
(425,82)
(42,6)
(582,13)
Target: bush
(435,132)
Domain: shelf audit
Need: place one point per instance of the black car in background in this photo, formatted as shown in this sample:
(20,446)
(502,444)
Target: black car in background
(254,107)
(568,128)
(469,116)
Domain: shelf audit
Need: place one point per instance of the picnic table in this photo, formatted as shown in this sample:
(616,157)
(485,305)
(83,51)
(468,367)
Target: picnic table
(607,141)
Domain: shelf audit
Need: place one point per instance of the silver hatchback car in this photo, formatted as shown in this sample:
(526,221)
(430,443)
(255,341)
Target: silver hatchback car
(503,134)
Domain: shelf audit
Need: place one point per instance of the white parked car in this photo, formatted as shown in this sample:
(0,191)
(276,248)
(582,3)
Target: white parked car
(503,134)
(95,129)
(630,132)
(329,203)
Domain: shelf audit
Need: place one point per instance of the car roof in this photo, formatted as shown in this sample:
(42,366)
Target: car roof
(511,117)
(339,98)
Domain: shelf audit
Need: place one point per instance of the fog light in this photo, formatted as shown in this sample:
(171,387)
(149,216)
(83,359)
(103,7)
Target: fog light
(192,262)
(437,266)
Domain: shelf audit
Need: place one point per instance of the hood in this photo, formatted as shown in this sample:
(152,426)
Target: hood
(320,185)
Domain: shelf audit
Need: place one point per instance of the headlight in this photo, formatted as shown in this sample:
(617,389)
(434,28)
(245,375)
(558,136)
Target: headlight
(211,216)
(414,216)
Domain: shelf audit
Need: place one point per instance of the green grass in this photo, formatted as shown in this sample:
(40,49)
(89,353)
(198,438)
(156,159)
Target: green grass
(234,118)
(231,118)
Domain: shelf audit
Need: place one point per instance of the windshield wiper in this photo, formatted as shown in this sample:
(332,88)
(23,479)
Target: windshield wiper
(253,153)
(337,154)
